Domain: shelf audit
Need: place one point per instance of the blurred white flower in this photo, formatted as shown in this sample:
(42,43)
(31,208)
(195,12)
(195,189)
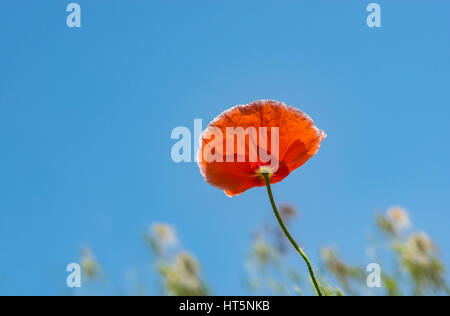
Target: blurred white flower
(165,234)
(399,216)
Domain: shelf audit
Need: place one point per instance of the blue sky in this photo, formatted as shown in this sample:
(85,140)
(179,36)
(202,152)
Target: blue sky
(86,116)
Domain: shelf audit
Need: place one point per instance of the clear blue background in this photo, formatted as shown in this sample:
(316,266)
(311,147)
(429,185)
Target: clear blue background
(86,116)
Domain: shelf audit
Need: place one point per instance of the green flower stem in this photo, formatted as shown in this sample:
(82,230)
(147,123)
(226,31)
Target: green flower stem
(286,232)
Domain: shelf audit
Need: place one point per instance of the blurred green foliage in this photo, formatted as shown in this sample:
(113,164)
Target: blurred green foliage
(409,260)
(179,271)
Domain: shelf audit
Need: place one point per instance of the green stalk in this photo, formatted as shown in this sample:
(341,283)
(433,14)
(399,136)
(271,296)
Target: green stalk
(286,232)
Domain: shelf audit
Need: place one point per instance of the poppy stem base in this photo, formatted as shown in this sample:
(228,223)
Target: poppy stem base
(288,235)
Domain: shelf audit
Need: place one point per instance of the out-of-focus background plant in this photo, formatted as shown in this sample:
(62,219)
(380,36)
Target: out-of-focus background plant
(179,270)
(409,260)
(408,257)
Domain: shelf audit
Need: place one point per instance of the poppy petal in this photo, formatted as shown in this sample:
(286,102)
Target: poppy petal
(298,140)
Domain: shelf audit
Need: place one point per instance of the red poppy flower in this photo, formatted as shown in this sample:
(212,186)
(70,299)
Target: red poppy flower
(287,135)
